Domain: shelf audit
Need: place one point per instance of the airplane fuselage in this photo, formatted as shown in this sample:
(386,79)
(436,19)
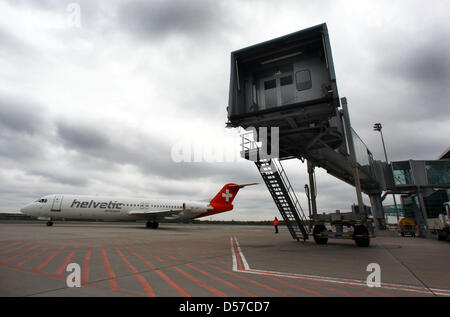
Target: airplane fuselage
(112,208)
(53,207)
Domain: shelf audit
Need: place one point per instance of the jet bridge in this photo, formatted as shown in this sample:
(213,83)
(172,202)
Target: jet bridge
(289,83)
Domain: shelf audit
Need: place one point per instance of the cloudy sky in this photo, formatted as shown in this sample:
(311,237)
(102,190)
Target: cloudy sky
(97,96)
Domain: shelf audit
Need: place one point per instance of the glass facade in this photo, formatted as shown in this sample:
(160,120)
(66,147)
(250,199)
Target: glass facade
(410,204)
(362,153)
(438,172)
(435,203)
(391,211)
(402,173)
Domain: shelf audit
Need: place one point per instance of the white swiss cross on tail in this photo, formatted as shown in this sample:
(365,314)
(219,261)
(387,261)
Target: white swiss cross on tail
(224,198)
(227,195)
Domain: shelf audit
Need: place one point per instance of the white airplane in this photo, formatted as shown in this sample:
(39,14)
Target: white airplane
(52,207)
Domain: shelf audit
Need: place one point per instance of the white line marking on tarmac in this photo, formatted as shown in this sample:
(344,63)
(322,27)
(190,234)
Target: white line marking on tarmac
(247,269)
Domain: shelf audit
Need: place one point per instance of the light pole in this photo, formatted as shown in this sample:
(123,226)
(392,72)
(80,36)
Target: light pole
(378,127)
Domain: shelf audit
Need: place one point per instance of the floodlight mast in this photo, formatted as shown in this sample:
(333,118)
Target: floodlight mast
(378,127)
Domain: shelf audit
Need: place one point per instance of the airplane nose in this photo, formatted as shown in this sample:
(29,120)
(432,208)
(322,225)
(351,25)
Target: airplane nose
(26,210)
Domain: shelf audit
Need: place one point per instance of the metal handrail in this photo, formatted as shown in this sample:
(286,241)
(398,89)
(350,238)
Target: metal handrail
(290,189)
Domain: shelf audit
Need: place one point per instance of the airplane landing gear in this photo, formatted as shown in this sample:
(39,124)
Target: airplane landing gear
(49,223)
(152,225)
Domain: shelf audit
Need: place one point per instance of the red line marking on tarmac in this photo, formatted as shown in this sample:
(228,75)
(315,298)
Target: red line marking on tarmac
(267,287)
(68,258)
(17,248)
(111,275)
(21,253)
(293,285)
(85,269)
(10,245)
(210,275)
(47,261)
(181,291)
(148,289)
(221,280)
(33,255)
(61,278)
(189,276)
(329,288)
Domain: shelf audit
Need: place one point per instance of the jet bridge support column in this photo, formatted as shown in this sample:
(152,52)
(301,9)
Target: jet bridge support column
(378,211)
(362,210)
(312,188)
(421,213)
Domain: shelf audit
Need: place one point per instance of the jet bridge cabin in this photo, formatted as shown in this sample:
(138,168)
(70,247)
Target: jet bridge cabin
(291,77)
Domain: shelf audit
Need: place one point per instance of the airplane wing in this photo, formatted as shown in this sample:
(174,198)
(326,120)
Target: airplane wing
(172,213)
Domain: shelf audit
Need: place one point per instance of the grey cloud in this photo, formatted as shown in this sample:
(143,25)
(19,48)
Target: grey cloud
(21,116)
(415,68)
(12,45)
(18,149)
(91,12)
(60,177)
(425,63)
(149,154)
(24,129)
(161,19)
(82,137)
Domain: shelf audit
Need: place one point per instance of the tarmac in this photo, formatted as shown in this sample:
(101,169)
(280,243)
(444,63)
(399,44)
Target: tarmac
(199,260)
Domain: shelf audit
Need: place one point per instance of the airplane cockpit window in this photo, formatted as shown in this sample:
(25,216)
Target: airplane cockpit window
(42,200)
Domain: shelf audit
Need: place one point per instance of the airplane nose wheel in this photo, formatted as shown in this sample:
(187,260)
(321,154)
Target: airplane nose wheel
(49,223)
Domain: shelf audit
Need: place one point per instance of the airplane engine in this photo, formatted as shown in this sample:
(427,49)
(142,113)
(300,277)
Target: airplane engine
(196,207)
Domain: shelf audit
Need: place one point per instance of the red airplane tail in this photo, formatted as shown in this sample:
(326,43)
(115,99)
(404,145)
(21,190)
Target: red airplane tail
(223,200)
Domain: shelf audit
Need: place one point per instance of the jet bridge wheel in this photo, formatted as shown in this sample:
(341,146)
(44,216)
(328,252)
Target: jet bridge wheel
(152,225)
(361,236)
(443,234)
(318,229)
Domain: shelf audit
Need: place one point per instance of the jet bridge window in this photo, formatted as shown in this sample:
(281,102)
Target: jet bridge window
(402,173)
(286,89)
(285,80)
(303,80)
(270,92)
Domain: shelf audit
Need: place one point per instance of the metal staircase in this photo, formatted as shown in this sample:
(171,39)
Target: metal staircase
(284,196)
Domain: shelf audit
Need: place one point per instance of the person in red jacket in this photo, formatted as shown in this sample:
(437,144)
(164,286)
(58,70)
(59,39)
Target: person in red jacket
(275,224)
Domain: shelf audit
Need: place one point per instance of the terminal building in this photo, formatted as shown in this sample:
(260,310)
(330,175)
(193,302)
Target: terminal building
(424,187)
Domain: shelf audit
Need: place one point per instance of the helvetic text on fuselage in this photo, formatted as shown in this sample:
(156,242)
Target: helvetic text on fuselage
(93,204)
